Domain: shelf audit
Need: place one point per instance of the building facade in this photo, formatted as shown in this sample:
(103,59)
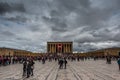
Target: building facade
(102,52)
(14,52)
(59,47)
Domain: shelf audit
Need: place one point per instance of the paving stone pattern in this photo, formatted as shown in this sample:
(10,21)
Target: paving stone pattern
(82,70)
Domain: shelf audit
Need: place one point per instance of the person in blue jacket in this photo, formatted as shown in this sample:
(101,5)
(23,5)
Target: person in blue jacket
(118,63)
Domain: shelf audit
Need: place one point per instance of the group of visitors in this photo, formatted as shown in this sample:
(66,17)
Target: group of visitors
(7,60)
(28,62)
(28,67)
(62,62)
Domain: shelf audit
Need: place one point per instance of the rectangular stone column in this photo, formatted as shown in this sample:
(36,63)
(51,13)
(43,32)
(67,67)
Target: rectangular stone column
(55,48)
(50,48)
(64,48)
(68,47)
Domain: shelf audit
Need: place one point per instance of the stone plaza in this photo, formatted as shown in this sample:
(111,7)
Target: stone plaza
(82,70)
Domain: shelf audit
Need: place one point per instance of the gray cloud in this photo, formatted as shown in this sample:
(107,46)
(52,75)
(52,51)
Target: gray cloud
(90,24)
(5,7)
(17,19)
(35,28)
(6,33)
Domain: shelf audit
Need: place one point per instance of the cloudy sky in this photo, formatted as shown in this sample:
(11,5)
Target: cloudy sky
(29,24)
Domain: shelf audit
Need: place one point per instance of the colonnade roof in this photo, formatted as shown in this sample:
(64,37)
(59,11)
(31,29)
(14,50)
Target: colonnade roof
(61,42)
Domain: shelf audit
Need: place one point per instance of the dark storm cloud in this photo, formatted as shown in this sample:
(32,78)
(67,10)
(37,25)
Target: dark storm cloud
(17,18)
(86,47)
(70,5)
(57,24)
(34,28)
(99,35)
(6,7)
(22,39)
(64,8)
(7,33)
(90,24)
(54,28)
(86,15)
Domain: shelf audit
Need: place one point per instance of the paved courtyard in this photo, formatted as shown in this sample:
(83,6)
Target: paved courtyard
(82,70)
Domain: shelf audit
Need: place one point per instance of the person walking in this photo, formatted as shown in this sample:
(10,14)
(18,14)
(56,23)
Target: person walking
(118,61)
(108,59)
(24,68)
(60,63)
(28,68)
(0,60)
(65,63)
(32,67)
(43,60)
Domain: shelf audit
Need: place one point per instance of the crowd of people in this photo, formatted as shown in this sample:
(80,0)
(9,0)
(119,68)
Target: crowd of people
(28,61)
(7,60)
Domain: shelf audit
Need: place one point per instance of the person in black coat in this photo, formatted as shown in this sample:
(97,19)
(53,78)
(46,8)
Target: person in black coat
(60,63)
(28,68)
(43,60)
(65,62)
(24,68)
(32,67)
